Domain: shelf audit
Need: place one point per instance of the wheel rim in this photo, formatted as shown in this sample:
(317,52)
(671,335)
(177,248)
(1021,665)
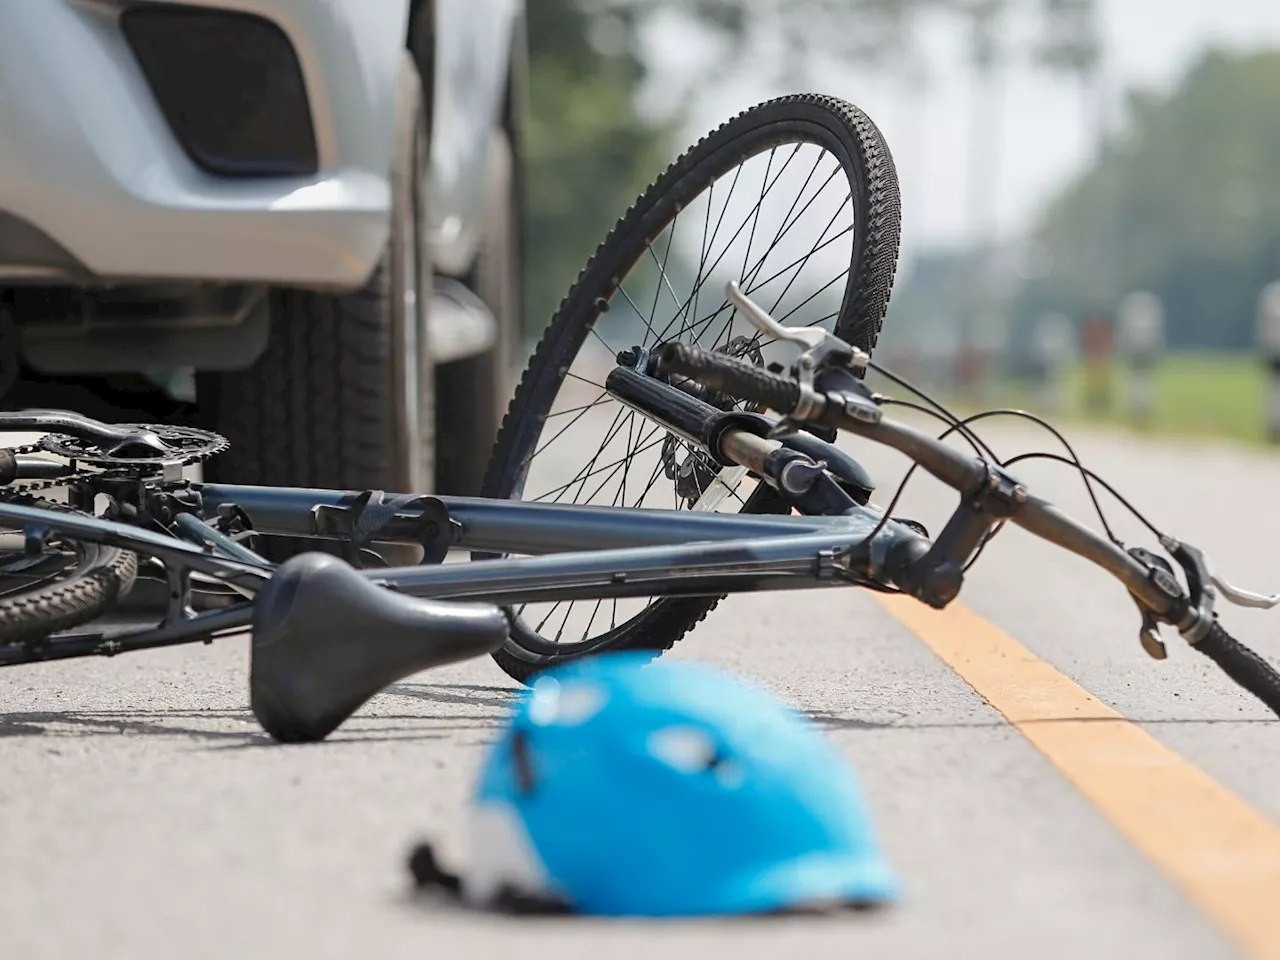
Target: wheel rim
(782,223)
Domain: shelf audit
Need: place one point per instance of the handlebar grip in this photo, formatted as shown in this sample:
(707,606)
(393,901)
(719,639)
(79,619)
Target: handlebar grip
(1242,665)
(743,381)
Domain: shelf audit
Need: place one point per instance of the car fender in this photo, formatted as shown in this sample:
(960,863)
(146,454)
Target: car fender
(473,53)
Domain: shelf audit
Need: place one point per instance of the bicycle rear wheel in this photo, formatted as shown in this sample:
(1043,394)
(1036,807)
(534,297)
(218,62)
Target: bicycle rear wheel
(64,584)
(796,199)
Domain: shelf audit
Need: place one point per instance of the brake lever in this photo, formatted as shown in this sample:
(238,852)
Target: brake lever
(809,337)
(823,350)
(1244,598)
(820,345)
(1201,581)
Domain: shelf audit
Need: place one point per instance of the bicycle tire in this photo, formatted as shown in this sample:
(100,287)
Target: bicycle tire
(831,124)
(103,575)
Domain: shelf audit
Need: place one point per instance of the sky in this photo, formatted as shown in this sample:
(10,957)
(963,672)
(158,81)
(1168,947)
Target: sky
(1039,123)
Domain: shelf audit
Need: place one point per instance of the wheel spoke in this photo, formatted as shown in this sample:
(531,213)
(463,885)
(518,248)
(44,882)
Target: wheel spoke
(563,430)
(608,437)
(550,612)
(587,406)
(598,386)
(591,622)
(702,247)
(662,271)
(648,323)
(631,415)
(622,464)
(742,226)
(749,277)
(614,465)
(725,305)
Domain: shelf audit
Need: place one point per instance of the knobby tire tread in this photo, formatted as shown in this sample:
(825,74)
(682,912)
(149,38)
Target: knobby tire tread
(104,576)
(326,353)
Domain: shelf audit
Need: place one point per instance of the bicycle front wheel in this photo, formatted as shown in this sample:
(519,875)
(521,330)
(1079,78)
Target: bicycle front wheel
(796,199)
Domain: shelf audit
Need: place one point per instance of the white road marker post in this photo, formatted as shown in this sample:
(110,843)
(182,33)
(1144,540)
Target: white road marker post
(1141,339)
(1053,348)
(1269,347)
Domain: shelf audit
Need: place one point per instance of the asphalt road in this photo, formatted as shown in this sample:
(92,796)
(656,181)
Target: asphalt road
(143,814)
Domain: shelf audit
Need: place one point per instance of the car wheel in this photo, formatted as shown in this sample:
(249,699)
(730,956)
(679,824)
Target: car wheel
(344,395)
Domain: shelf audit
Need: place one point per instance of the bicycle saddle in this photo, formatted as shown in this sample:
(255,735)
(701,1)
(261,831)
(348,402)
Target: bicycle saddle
(326,639)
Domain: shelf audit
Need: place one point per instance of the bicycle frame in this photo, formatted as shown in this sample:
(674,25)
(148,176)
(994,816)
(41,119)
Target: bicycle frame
(580,553)
(601,552)
(566,551)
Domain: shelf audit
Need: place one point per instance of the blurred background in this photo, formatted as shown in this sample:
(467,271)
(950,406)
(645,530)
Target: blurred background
(1091,188)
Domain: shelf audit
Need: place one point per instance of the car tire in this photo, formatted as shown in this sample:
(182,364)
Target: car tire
(343,396)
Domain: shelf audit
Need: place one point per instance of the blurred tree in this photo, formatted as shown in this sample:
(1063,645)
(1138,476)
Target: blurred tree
(876,32)
(807,33)
(1070,42)
(1195,183)
(587,152)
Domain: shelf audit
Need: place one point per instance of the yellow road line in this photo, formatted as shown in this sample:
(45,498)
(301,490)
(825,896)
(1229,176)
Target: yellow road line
(1223,854)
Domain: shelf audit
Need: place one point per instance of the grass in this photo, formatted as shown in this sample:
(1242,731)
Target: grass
(1199,394)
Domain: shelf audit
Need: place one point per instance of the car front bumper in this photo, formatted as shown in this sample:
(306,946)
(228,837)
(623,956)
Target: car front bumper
(88,160)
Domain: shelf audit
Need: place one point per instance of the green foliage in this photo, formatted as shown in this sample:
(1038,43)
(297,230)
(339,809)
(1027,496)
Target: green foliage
(586,151)
(1194,394)
(1186,204)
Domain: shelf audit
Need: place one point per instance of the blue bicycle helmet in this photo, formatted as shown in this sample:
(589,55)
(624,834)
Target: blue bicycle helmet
(667,789)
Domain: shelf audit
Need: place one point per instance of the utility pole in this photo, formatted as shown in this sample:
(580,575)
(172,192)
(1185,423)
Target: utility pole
(1073,45)
(984,155)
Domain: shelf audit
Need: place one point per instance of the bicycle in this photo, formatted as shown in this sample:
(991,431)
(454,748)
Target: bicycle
(804,522)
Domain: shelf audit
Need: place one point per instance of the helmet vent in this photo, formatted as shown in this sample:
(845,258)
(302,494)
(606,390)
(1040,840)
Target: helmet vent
(685,748)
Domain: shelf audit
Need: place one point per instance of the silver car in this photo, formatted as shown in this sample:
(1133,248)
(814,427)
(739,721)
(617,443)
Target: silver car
(294,221)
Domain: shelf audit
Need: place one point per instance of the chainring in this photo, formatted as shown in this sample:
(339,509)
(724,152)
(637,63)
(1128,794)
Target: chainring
(189,445)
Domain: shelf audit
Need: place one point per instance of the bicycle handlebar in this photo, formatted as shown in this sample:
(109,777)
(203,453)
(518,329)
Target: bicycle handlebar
(989,489)
(1242,665)
(725,374)
(969,475)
